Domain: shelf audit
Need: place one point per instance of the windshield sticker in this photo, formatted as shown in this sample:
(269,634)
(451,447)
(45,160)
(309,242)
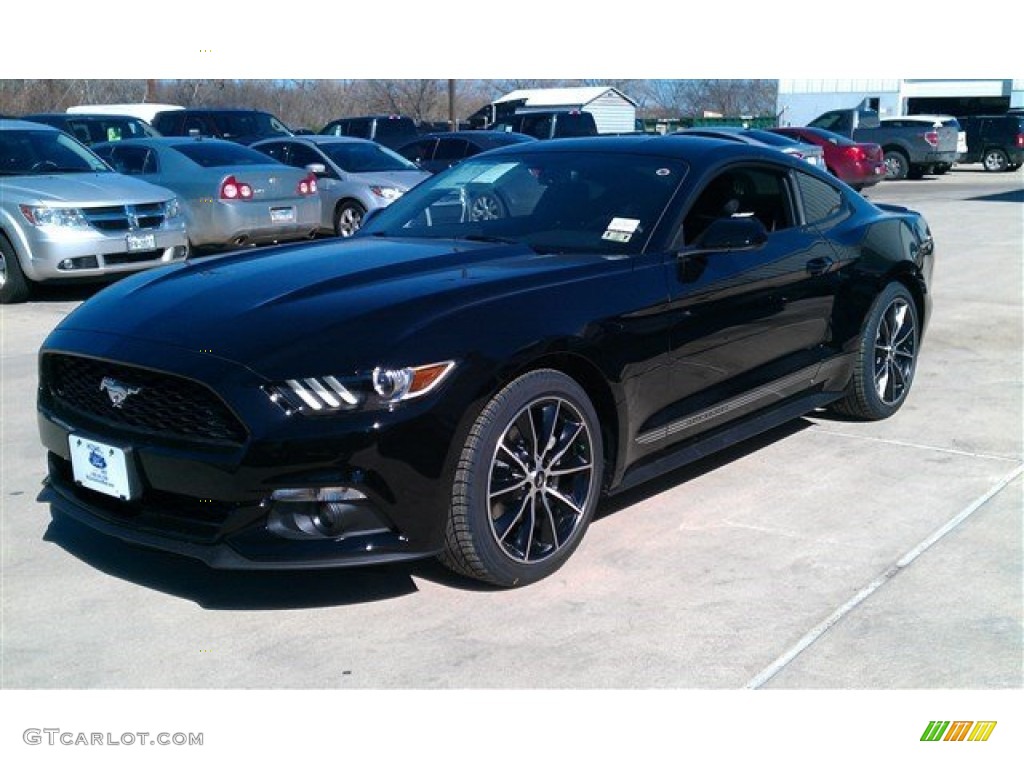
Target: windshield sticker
(663,172)
(618,237)
(472,174)
(623,225)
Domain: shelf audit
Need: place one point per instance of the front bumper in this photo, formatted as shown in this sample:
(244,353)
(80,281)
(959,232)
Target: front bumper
(212,500)
(66,253)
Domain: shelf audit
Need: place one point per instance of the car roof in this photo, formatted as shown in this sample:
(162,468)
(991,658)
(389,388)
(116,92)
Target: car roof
(495,138)
(21,124)
(315,138)
(697,150)
(166,141)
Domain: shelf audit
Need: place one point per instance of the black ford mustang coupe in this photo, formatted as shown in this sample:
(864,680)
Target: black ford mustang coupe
(512,338)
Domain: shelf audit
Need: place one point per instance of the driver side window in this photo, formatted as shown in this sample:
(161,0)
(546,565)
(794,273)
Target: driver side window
(740,192)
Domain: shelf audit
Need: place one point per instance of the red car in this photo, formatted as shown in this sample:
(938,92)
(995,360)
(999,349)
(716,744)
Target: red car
(859,164)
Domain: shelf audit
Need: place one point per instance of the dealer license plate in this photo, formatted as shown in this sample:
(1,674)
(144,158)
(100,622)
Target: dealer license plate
(100,467)
(282,215)
(141,242)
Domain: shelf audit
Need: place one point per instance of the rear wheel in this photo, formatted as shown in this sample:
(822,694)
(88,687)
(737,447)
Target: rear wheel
(896,165)
(995,160)
(886,357)
(527,482)
(348,217)
(14,286)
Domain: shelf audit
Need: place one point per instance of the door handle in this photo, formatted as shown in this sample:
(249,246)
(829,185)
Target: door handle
(819,266)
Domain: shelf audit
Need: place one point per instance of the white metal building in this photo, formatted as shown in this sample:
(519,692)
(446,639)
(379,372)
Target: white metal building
(800,101)
(613,111)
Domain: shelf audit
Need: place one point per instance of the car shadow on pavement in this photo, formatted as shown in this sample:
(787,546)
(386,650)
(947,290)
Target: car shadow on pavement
(614,504)
(1010,196)
(229,590)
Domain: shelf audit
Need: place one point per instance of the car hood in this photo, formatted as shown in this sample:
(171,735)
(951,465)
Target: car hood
(83,189)
(402,179)
(338,305)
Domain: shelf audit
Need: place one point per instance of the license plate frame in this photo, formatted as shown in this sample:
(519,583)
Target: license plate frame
(104,468)
(136,242)
(282,215)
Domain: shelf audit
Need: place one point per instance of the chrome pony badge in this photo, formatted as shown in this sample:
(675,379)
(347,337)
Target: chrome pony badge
(117,391)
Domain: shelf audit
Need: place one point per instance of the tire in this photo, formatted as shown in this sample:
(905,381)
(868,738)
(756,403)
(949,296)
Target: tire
(995,160)
(918,171)
(886,357)
(897,166)
(486,207)
(348,217)
(14,286)
(527,483)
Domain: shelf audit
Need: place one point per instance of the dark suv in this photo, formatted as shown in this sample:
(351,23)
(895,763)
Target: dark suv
(995,141)
(92,129)
(242,125)
(390,130)
(550,124)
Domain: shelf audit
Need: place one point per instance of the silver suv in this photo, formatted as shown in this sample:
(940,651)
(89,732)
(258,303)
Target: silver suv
(64,214)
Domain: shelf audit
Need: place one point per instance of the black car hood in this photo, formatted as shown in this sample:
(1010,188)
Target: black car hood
(338,305)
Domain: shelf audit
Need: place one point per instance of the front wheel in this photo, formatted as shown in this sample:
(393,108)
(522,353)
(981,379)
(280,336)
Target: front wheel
(995,160)
(527,482)
(886,357)
(348,218)
(14,286)
(486,207)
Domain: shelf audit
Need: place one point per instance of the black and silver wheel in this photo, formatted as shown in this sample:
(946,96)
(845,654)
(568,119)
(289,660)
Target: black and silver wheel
(886,357)
(527,482)
(485,207)
(14,286)
(897,166)
(995,160)
(348,217)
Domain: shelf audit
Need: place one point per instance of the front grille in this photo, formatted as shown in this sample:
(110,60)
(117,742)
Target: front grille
(125,218)
(157,404)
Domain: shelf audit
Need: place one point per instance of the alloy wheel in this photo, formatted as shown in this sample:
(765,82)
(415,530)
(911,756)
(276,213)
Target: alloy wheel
(895,350)
(539,483)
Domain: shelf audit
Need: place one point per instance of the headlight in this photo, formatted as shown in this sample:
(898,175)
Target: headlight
(44,216)
(387,193)
(383,388)
(172,209)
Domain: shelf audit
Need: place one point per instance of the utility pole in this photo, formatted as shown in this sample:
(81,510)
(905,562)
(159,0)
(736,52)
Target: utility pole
(453,120)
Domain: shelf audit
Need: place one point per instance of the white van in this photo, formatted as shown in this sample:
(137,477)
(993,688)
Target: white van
(144,111)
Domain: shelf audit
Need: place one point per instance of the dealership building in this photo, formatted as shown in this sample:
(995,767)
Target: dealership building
(800,101)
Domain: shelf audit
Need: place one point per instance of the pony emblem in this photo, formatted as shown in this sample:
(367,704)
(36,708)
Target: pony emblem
(117,391)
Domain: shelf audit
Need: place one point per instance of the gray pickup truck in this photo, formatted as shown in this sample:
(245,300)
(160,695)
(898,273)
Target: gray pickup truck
(912,146)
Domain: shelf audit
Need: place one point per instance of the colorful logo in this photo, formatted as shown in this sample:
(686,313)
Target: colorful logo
(96,458)
(958,730)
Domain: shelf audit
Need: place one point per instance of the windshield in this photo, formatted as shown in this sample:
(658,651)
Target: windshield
(236,124)
(220,154)
(28,152)
(555,202)
(357,157)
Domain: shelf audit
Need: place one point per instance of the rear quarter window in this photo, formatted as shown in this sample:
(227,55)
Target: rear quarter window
(821,200)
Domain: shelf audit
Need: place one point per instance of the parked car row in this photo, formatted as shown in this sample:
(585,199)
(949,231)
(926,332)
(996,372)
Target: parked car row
(69,212)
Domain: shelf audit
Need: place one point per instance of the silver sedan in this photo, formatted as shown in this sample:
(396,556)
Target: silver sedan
(231,195)
(356,176)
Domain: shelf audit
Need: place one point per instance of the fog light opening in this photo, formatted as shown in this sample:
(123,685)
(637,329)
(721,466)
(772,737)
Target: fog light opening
(323,513)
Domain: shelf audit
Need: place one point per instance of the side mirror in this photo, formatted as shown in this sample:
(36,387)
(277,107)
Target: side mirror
(735,233)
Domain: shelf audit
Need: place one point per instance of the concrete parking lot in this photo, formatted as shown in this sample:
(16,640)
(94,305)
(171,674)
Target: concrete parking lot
(826,554)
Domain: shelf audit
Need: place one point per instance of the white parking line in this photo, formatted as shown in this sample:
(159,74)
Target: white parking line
(811,637)
(921,446)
